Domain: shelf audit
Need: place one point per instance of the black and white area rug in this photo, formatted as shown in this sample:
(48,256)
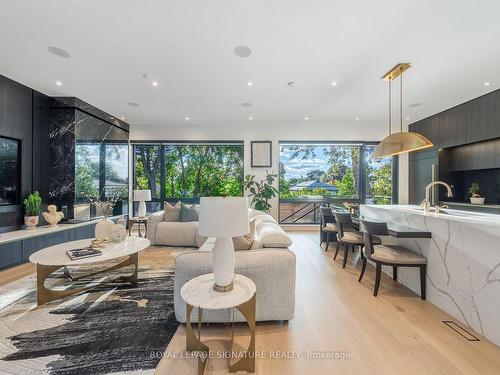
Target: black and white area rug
(114,329)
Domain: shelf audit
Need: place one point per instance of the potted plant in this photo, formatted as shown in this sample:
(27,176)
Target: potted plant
(475,194)
(32,210)
(261,192)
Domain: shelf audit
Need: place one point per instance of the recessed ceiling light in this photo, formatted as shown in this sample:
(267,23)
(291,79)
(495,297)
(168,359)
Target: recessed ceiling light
(155,83)
(187,118)
(58,83)
(408,118)
(334,83)
(250,118)
(246,104)
(358,118)
(111,118)
(486,83)
(306,118)
(242,51)
(250,83)
(122,118)
(133,104)
(59,52)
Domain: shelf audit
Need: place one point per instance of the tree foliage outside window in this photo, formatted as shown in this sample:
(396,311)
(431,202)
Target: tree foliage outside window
(190,170)
(379,178)
(337,170)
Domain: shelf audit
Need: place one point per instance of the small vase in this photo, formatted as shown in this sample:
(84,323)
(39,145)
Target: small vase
(477,200)
(31,222)
(102,229)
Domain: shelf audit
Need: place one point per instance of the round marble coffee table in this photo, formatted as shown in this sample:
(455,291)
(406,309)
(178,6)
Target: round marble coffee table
(199,293)
(52,258)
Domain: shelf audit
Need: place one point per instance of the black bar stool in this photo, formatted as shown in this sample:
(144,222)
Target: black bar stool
(389,255)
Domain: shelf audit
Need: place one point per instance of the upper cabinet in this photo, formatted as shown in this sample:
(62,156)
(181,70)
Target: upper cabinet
(483,118)
(429,128)
(451,126)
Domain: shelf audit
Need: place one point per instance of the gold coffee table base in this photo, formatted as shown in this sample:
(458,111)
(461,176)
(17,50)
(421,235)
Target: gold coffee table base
(193,343)
(45,295)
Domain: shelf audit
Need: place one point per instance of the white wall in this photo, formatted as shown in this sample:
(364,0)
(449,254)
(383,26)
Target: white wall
(275,133)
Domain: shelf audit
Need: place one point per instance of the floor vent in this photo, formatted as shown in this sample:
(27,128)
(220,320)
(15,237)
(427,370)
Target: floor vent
(460,330)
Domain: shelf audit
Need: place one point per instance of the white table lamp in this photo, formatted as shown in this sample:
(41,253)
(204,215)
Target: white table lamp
(142,196)
(223,218)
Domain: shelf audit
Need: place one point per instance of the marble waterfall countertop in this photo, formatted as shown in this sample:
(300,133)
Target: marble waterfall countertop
(463,255)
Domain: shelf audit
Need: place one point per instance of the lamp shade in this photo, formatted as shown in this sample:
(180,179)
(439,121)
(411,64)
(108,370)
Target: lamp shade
(223,216)
(401,142)
(142,195)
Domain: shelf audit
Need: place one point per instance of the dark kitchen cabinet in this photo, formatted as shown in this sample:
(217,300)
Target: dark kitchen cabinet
(420,173)
(483,118)
(429,128)
(451,126)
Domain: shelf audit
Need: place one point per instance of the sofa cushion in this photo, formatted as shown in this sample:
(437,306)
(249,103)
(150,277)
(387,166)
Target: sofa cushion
(176,233)
(245,242)
(272,235)
(172,213)
(189,212)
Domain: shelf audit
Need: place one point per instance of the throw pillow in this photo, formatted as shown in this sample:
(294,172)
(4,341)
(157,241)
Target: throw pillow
(172,213)
(245,242)
(190,212)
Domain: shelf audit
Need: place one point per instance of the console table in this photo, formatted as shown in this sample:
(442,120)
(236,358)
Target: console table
(199,293)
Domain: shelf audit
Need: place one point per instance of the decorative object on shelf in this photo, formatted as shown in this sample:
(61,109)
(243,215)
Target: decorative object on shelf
(52,216)
(121,220)
(223,218)
(261,192)
(262,154)
(117,233)
(475,194)
(142,196)
(32,209)
(402,141)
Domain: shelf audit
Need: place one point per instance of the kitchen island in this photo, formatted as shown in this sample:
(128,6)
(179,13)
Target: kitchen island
(463,255)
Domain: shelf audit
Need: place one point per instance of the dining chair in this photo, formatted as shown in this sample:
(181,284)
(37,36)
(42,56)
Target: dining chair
(389,255)
(328,226)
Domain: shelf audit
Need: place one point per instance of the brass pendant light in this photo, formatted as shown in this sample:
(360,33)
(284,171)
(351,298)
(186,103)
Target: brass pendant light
(401,142)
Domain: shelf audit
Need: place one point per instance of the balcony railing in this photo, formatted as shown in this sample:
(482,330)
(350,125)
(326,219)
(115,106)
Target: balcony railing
(305,210)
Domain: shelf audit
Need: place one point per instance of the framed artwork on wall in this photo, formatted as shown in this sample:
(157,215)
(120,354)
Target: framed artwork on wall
(261,155)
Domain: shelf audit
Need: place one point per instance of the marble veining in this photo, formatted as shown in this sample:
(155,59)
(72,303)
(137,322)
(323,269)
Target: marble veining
(199,292)
(463,255)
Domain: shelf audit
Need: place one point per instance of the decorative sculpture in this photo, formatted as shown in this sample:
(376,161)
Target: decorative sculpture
(52,216)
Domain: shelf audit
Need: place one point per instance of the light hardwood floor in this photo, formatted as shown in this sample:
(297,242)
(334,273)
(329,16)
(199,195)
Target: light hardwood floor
(394,333)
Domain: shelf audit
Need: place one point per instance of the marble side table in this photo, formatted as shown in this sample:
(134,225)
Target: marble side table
(199,293)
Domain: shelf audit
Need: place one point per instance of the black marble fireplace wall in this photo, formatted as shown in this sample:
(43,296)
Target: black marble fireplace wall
(88,157)
(46,128)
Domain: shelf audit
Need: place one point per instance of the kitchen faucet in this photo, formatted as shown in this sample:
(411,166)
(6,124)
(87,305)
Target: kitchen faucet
(426,204)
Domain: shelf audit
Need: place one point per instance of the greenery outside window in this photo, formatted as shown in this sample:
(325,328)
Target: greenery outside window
(188,171)
(313,174)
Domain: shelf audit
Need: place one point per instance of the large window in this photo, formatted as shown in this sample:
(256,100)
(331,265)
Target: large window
(188,171)
(313,174)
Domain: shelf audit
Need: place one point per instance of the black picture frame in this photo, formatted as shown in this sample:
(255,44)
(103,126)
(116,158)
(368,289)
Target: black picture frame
(18,143)
(255,163)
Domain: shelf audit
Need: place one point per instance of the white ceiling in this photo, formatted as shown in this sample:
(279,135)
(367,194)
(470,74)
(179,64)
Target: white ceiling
(187,46)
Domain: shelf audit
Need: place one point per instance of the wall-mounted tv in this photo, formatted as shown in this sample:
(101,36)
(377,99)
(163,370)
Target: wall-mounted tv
(9,171)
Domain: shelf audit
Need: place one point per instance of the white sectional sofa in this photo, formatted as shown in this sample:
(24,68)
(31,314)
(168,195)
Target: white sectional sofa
(268,262)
